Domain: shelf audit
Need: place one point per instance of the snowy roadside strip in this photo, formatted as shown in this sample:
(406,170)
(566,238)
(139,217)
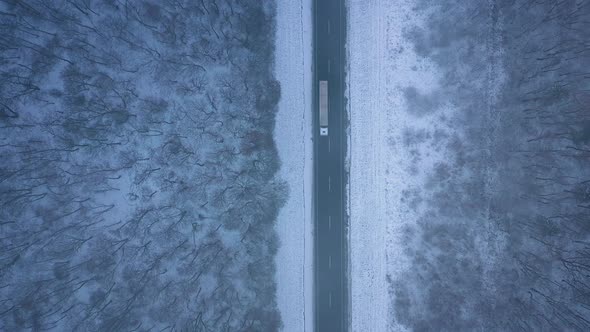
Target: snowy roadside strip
(347,164)
(293,132)
(367,230)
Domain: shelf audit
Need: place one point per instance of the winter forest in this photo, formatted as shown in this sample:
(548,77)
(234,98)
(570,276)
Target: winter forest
(502,239)
(137,187)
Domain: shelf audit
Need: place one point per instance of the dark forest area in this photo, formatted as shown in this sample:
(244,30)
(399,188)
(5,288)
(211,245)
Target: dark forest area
(503,239)
(137,174)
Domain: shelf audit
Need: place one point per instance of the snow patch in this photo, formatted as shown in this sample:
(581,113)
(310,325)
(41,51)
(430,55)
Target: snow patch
(379,164)
(293,132)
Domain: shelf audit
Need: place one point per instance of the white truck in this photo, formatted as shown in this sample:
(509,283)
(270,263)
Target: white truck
(323,108)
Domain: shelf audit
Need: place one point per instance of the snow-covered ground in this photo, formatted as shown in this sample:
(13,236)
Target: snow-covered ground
(293,136)
(381,64)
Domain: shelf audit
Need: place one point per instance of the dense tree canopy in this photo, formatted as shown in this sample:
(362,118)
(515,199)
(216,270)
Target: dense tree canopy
(503,237)
(137,186)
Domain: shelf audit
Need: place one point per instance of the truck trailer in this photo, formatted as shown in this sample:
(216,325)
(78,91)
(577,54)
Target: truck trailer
(323,108)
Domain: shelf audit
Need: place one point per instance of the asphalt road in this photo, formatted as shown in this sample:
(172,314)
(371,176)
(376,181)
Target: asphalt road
(330,245)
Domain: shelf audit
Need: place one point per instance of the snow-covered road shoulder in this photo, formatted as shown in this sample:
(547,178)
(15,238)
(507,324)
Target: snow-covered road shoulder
(378,175)
(367,224)
(293,137)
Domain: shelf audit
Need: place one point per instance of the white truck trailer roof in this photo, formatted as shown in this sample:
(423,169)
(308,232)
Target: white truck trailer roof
(323,108)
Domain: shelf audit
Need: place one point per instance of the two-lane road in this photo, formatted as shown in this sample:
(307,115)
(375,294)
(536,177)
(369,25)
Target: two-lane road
(330,245)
